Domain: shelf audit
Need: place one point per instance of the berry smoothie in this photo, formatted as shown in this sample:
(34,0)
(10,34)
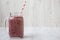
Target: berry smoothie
(16,26)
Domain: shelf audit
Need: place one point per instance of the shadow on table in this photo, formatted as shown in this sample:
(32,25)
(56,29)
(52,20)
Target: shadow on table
(30,36)
(25,37)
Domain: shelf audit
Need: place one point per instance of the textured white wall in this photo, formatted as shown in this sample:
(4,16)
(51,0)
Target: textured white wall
(0,13)
(46,13)
(57,11)
(36,13)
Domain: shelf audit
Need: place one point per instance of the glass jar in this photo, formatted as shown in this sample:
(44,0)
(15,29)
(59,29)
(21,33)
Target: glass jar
(16,25)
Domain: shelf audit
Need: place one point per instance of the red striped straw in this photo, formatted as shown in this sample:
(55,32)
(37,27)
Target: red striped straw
(23,7)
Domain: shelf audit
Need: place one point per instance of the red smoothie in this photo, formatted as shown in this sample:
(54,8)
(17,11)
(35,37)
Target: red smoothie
(16,26)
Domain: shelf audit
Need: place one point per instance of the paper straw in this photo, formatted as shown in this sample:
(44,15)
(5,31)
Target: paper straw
(23,7)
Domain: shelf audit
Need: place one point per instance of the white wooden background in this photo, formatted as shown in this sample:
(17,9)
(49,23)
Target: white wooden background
(36,13)
(46,13)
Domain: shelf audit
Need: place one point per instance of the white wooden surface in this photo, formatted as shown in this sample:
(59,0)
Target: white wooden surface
(34,33)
